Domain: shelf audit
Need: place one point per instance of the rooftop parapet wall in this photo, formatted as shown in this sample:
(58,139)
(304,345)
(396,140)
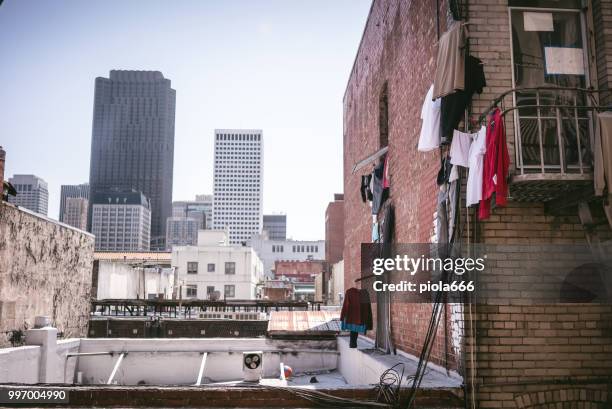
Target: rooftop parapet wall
(45,269)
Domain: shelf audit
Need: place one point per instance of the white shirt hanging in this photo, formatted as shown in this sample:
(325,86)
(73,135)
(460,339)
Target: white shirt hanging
(473,193)
(460,148)
(430,129)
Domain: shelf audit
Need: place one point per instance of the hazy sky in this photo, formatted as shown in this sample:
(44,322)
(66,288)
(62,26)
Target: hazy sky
(280,66)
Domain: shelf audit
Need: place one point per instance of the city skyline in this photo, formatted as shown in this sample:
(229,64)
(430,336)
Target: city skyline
(289,81)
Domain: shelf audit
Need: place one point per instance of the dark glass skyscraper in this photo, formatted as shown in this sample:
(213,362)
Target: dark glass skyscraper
(133,141)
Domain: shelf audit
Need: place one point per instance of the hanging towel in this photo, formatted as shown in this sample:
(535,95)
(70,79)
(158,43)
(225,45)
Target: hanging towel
(496,162)
(603,153)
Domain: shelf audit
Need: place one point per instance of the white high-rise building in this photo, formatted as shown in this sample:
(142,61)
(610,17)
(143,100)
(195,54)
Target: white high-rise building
(121,221)
(238,183)
(32,193)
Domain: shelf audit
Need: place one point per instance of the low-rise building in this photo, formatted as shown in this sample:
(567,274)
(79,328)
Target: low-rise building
(215,269)
(270,251)
(133,275)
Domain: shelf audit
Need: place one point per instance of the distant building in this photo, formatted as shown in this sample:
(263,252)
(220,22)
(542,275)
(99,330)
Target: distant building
(299,271)
(181,231)
(32,193)
(199,209)
(270,251)
(75,212)
(79,191)
(121,221)
(277,290)
(276,226)
(215,269)
(133,141)
(334,229)
(133,275)
(238,183)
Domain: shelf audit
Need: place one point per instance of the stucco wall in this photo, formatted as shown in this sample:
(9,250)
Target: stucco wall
(45,269)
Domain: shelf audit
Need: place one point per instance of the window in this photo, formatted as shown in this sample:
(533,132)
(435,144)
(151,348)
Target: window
(548,50)
(229,291)
(191,290)
(192,267)
(210,268)
(230,267)
(210,289)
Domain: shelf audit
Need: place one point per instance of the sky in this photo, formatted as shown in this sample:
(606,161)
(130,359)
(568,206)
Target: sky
(280,66)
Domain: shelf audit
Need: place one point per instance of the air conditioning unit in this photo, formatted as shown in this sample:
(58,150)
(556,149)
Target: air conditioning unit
(252,366)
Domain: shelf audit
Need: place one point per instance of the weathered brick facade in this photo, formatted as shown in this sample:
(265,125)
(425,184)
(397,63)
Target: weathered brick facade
(524,356)
(334,229)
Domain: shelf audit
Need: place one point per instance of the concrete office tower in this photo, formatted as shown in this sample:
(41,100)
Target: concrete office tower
(121,221)
(75,212)
(32,193)
(133,141)
(181,231)
(199,209)
(238,183)
(276,226)
(78,191)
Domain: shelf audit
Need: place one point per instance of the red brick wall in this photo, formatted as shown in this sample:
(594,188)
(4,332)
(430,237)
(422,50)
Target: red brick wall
(304,271)
(535,343)
(334,231)
(398,48)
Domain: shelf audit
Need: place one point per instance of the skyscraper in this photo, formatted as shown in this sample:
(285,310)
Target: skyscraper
(32,193)
(133,141)
(121,221)
(276,226)
(77,191)
(75,212)
(238,182)
(199,209)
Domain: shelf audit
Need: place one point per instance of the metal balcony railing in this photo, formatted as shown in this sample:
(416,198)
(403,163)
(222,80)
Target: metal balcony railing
(553,139)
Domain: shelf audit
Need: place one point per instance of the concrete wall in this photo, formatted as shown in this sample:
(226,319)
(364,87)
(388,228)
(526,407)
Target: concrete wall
(45,269)
(121,280)
(180,366)
(19,365)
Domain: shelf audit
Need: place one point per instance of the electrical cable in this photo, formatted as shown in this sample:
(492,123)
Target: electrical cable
(388,388)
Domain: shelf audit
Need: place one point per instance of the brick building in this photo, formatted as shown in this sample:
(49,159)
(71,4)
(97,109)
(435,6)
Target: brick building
(513,355)
(334,229)
(299,271)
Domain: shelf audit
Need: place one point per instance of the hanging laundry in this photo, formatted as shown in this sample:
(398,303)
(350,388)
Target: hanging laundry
(452,108)
(385,222)
(603,153)
(366,193)
(444,172)
(473,191)
(460,148)
(386,173)
(495,169)
(450,64)
(429,138)
(378,190)
(356,313)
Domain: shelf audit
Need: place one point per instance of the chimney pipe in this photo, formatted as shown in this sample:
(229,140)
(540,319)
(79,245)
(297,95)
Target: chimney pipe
(2,159)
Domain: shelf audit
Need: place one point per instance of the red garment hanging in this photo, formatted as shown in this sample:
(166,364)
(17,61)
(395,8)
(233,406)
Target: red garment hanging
(496,163)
